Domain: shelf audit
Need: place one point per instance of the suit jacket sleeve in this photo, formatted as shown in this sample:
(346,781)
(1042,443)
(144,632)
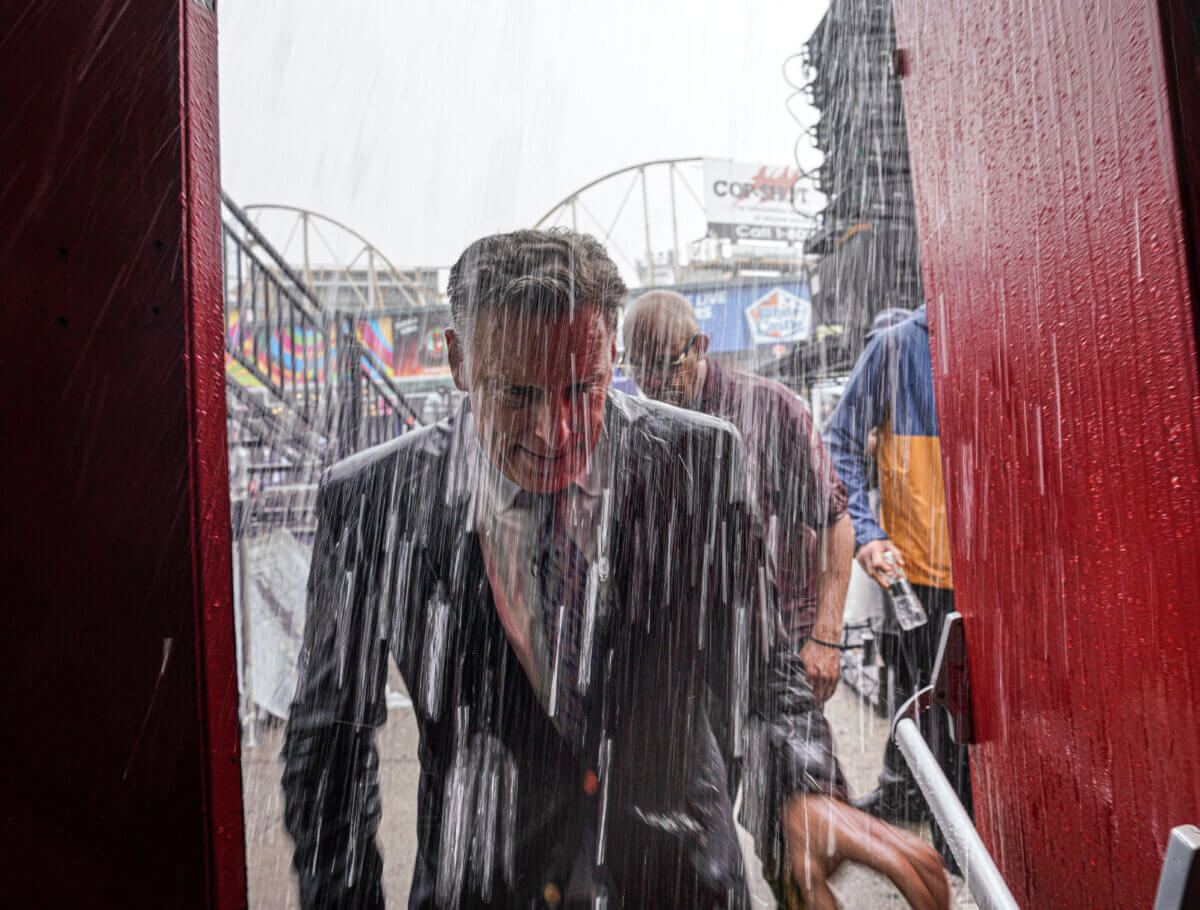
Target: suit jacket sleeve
(330,779)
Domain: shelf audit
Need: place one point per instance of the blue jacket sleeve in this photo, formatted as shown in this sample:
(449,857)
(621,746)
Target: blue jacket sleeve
(865,404)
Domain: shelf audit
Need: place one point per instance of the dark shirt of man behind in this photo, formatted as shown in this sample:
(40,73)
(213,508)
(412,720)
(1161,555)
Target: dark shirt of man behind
(571,615)
(803,503)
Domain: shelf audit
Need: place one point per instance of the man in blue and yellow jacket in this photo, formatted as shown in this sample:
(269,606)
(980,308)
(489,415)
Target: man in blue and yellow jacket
(890,391)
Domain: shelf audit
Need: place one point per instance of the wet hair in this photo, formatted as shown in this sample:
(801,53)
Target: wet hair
(547,273)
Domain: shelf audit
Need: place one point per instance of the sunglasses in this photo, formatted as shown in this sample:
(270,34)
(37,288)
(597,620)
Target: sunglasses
(658,364)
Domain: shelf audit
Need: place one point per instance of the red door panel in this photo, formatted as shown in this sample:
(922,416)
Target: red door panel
(119,773)
(1056,267)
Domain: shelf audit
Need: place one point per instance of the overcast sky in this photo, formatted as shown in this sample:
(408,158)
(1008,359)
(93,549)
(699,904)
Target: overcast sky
(424,125)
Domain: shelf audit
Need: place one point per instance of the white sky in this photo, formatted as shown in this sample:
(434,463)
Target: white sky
(424,125)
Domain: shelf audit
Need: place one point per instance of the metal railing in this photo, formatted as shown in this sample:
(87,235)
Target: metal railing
(303,391)
(302,388)
(983,878)
(1179,879)
(274,328)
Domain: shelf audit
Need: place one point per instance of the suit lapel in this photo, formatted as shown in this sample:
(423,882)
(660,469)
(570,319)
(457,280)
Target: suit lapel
(454,557)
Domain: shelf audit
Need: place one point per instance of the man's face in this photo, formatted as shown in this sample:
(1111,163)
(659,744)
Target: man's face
(664,360)
(537,388)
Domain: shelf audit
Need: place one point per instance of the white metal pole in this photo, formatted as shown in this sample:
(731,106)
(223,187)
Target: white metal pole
(983,878)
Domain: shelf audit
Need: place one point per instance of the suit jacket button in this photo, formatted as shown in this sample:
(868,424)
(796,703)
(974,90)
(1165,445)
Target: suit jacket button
(551,894)
(591,783)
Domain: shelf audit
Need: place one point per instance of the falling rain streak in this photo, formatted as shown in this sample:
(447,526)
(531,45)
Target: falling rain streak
(684,454)
(628,521)
(595,627)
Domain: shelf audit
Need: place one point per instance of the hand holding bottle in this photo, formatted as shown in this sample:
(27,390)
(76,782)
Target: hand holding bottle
(878,559)
(909,612)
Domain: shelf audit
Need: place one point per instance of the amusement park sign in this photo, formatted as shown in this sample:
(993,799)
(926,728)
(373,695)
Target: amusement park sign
(751,202)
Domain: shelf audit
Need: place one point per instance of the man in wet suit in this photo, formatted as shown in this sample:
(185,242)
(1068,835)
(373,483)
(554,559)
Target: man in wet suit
(571,582)
(890,391)
(802,502)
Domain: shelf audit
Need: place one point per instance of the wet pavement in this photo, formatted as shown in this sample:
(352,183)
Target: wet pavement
(860,737)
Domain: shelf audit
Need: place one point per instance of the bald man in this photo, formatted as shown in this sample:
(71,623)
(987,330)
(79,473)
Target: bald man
(803,502)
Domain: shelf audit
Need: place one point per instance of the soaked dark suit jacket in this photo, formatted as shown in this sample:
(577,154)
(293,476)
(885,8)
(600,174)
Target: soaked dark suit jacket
(692,678)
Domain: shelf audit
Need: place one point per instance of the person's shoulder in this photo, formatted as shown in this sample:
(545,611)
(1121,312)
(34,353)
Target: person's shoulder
(910,331)
(881,349)
(667,448)
(664,422)
(762,388)
(401,457)
(663,438)
(914,330)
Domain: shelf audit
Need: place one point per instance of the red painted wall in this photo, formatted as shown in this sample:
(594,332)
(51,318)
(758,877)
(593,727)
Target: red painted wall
(119,779)
(1055,260)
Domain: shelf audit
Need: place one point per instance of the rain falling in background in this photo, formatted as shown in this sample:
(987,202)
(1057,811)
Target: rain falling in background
(336,345)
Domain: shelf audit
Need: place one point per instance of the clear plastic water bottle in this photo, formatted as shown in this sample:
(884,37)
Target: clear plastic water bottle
(909,612)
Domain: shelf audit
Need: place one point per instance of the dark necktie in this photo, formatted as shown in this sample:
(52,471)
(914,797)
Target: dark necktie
(562,575)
